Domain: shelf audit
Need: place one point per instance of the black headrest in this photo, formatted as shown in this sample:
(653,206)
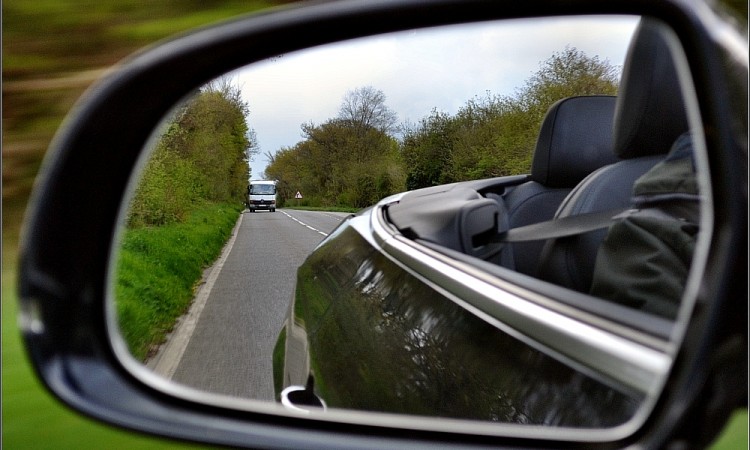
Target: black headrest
(575,140)
(650,112)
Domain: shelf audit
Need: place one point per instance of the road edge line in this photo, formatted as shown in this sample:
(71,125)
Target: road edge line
(168,357)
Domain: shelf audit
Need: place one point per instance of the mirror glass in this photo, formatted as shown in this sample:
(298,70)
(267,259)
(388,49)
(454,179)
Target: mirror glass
(250,174)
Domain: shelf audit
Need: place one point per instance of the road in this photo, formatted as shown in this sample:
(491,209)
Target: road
(228,348)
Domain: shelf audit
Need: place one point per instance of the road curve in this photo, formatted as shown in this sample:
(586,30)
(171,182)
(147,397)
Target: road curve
(228,351)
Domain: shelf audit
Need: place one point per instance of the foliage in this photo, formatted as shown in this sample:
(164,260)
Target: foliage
(495,135)
(202,156)
(427,151)
(80,34)
(347,161)
(54,49)
(158,268)
(354,159)
(44,42)
(174,228)
(365,108)
(168,187)
(567,73)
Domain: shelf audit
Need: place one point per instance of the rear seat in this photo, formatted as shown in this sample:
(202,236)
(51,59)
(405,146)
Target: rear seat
(575,140)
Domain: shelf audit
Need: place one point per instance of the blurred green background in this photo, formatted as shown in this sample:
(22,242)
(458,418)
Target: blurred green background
(52,51)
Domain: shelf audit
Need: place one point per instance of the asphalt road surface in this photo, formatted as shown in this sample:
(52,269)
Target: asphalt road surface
(229,346)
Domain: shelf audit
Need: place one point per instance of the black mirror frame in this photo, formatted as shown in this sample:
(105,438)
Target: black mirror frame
(73,219)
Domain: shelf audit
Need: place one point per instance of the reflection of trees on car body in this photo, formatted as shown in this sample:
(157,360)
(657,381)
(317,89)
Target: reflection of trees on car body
(421,353)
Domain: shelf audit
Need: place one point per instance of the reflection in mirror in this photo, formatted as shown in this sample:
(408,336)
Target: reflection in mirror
(205,275)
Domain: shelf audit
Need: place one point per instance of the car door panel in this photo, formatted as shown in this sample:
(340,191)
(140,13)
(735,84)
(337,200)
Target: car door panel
(380,339)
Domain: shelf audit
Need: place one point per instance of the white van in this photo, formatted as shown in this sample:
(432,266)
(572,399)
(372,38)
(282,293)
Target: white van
(261,194)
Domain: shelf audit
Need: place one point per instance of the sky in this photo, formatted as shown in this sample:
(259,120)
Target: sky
(418,71)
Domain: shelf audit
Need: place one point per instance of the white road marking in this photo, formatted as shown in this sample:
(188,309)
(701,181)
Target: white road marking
(166,361)
(338,218)
(168,358)
(303,223)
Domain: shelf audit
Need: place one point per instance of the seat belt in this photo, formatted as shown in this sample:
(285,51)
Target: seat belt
(562,226)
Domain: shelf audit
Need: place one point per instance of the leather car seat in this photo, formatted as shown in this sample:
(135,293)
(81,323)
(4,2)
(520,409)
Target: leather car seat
(575,139)
(649,117)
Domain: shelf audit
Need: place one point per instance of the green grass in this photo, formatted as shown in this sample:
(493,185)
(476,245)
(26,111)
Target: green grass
(735,434)
(97,31)
(158,269)
(31,417)
(153,30)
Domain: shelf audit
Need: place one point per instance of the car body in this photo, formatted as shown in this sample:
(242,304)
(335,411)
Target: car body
(261,194)
(413,312)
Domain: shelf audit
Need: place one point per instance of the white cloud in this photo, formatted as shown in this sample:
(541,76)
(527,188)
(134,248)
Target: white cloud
(417,70)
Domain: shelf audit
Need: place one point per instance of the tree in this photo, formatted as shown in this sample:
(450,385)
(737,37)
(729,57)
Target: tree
(339,164)
(495,135)
(354,160)
(426,151)
(349,160)
(253,146)
(365,107)
(565,74)
(202,156)
(230,89)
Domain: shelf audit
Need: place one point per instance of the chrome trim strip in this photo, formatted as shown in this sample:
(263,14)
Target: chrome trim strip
(629,363)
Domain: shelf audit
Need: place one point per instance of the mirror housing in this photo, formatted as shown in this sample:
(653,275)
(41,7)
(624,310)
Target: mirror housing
(74,212)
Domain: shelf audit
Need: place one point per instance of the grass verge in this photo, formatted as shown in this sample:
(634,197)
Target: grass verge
(158,269)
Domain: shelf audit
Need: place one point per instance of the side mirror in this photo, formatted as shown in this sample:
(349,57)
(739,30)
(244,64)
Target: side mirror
(678,368)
